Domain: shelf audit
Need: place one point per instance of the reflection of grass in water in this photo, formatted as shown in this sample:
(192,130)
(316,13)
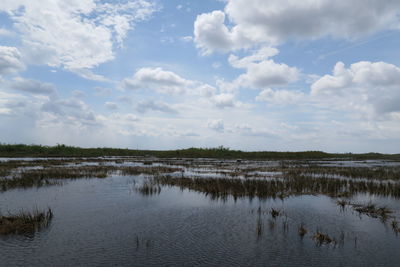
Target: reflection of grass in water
(142,242)
(259,227)
(25,222)
(395,227)
(148,187)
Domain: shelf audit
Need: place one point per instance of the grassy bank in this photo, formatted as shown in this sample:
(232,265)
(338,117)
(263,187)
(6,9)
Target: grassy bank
(21,150)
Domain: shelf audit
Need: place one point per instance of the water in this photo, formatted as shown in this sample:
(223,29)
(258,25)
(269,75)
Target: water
(107,222)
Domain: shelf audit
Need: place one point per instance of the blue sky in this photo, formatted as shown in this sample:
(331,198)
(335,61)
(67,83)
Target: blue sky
(246,74)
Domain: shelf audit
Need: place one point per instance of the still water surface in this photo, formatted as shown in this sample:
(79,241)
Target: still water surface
(107,222)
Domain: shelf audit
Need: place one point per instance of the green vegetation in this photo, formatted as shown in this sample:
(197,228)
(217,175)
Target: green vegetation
(25,222)
(21,150)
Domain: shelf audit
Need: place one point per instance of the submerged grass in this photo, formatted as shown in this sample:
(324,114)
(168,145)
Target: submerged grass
(25,222)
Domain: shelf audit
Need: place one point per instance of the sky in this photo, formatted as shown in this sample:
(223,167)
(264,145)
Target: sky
(281,75)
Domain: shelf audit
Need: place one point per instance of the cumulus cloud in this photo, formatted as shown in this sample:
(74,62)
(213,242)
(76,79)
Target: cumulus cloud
(258,56)
(262,72)
(211,34)
(267,73)
(151,105)
(223,100)
(32,86)
(73,34)
(157,79)
(275,21)
(216,125)
(364,86)
(10,60)
(280,97)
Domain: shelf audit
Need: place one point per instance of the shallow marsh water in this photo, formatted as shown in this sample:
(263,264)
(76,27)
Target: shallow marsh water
(107,222)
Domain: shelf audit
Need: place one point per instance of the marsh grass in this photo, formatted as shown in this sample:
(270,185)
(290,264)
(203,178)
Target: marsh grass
(142,242)
(148,187)
(323,239)
(369,173)
(259,227)
(302,230)
(277,188)
(25,222)
(54,175)
(395,227)
(342,204)
(275,213)
(372,210)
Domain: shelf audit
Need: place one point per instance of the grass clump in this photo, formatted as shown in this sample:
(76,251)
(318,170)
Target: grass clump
(302,230)
(322,239)
(275,212)
(25,222)
(372,210)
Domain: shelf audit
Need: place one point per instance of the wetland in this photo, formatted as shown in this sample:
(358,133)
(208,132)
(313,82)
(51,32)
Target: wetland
(146,210)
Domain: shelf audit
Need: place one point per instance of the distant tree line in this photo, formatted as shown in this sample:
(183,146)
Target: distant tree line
(61,150)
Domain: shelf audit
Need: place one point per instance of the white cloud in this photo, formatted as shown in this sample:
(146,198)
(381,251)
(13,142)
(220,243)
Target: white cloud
(258,56)
(216,125)
(32,86)
(125,99)
(216,65)
(206,90)
(111,105)
(364,86)
(150,105)
(275,21)
(211,34)
(89,75)
(78,93)
(70,111)
(101,91)
(187,38)
(262,72)
(266,74)
(223,100)
(5,32)
(73,34)
(157,79)
(10,60)
(280,97)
